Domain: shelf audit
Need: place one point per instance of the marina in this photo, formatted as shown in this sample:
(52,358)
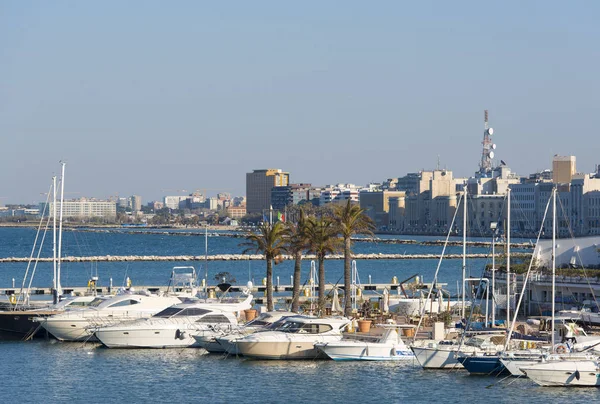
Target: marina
(379,375)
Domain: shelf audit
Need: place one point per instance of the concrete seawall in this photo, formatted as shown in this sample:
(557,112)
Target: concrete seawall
(243,257)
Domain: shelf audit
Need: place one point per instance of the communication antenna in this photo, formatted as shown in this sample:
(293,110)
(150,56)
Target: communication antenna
(487,154)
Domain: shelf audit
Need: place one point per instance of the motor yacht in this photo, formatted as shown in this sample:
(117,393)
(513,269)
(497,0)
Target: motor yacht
(79,325)
(295,339)
(224,341)
(383,343)
(174,327)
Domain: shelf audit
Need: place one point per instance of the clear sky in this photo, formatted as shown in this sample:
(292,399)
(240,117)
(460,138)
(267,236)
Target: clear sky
(144,96)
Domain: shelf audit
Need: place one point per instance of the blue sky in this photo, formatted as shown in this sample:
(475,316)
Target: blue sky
(144,96)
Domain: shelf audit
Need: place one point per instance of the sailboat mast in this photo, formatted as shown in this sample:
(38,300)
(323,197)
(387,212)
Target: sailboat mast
(206,259)
(54,284)
(553,258)
(464,257)
(508,261)
(60,224)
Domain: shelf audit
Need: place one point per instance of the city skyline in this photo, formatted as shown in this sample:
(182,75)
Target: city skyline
(143,96)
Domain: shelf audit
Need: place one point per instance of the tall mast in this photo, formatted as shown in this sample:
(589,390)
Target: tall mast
(464,257)
(60,224)
(206,259)
(54,283)
(553,257)
(508,262)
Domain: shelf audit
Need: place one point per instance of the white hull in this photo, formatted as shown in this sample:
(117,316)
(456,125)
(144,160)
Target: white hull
(171,337)
(354,350)
(437,358)
(565,373)
(74,329)
(514,365)
(280,350)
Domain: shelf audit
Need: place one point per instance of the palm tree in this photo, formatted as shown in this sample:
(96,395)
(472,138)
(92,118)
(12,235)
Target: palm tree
(296,243)
(268,241)
(350,220)
(322,238)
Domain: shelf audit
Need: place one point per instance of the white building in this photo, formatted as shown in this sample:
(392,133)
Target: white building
(172,202)
(84,208)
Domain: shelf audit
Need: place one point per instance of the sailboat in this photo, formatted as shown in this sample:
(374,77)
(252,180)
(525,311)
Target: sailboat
(443,354)
(17,322)
(579,371)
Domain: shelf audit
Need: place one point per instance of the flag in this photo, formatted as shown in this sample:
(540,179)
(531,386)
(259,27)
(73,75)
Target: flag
(280,217)
(265,218)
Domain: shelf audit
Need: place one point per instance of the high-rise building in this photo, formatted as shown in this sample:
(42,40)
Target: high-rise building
(136,203)
(258,188)
(291,194)
(563,169)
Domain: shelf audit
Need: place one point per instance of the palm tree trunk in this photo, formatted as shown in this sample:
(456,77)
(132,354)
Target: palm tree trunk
(347,278)
(269,284)
(297,276)
(321,285)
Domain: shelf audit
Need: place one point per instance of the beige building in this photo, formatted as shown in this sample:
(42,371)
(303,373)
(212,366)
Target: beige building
(84,208)
(377,206)
(258,188)
(563,169)
(236,212)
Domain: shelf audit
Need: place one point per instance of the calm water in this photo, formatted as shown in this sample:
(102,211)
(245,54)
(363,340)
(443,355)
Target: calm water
(49,371)
(18,242)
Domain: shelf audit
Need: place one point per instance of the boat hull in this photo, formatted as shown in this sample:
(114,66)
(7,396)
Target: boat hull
(279,350)
(146,338)
(483,365)
(344,351)
(72,329)
(18,325)
(565,374)
(435,358)
(514,365)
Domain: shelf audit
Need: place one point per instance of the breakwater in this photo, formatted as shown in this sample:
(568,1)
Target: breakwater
(238,234)
(246,257)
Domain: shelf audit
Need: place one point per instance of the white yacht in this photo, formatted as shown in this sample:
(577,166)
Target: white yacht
(383,343)
(224,341)
(565,373)
(175,326)
(79,325)
(295,339)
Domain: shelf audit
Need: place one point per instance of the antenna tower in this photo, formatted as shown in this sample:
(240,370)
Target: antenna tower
(487,154)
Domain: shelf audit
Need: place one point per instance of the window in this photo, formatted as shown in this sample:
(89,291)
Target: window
(214,318)
(168,312)
(96,302)
(193,311)
(123,303)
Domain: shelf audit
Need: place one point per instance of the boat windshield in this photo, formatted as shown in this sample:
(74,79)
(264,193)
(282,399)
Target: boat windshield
(257,322)
(168,312)
(96,302)
(302,328)
(485,341)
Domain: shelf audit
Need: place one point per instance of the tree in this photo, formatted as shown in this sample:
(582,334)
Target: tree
(296,243)
(321,233)
(350,220)
(270,242)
